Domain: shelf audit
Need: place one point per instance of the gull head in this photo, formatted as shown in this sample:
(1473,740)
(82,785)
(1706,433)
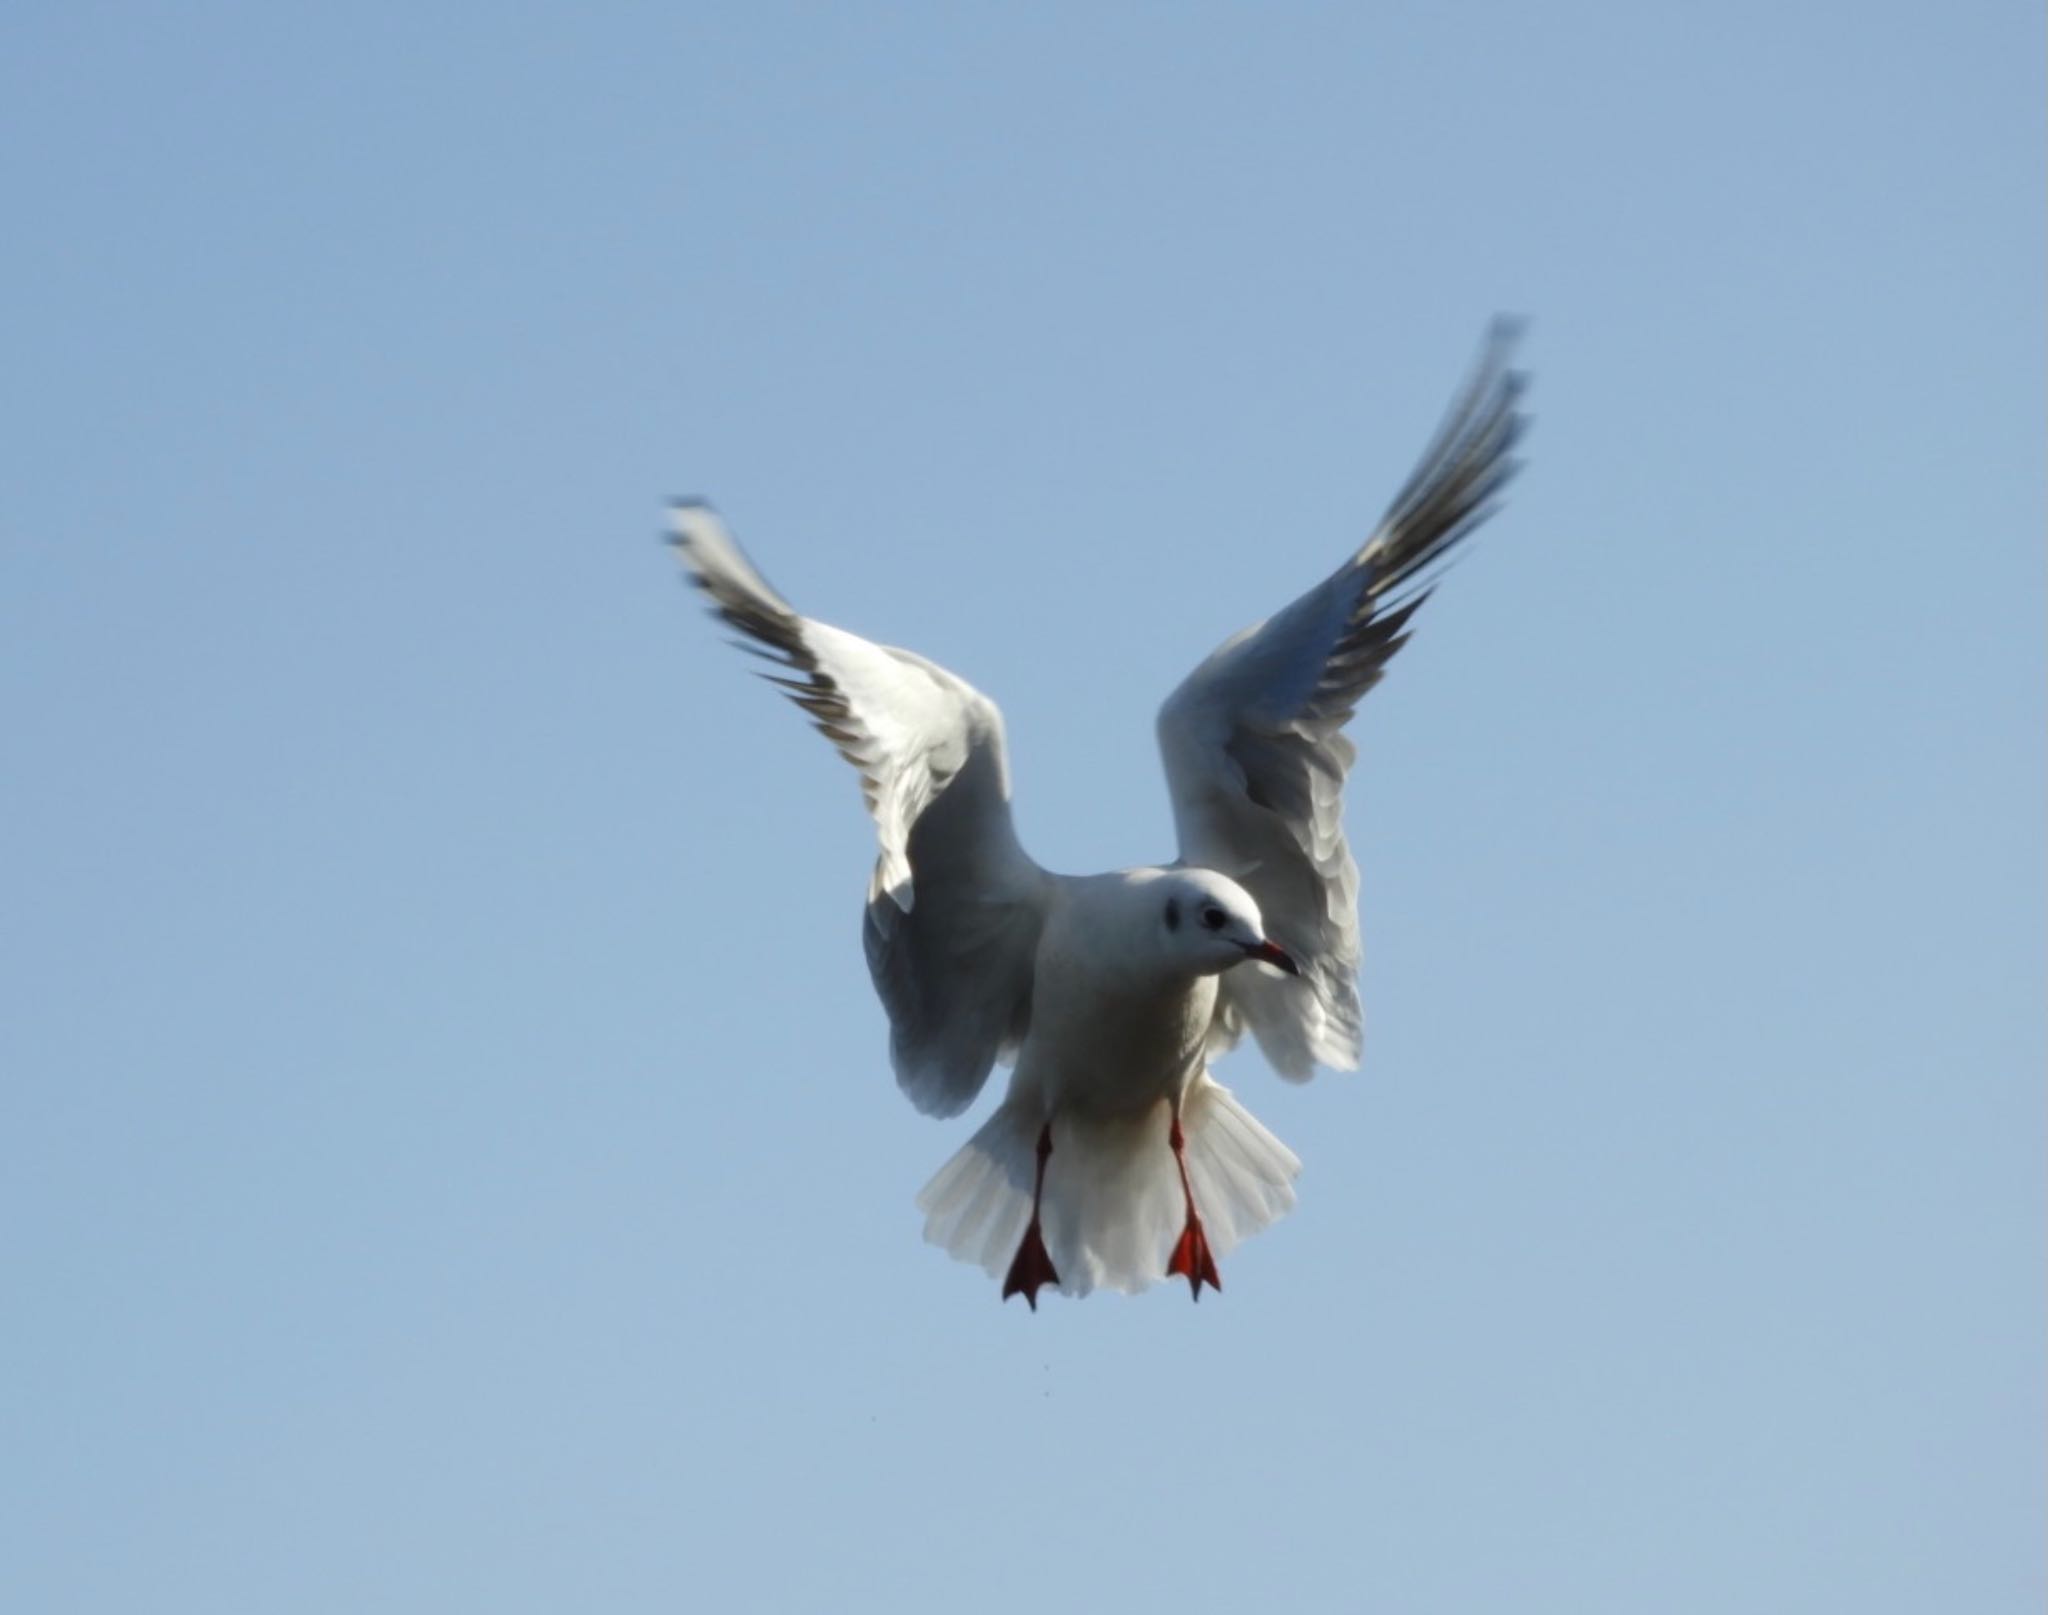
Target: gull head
(1207,923)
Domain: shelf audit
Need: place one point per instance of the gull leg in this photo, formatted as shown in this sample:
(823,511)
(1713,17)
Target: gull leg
(1032,1266)
(1191,1258)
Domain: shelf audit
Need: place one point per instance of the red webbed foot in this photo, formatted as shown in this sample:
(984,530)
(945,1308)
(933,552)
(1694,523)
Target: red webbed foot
(1031,1269)
(1192,1260)
(1191,1257)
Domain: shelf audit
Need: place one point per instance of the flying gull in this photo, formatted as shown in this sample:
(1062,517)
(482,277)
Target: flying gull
(1116,1159)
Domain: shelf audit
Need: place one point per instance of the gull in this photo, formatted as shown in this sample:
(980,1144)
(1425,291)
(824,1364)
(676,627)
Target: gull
(1115,1158)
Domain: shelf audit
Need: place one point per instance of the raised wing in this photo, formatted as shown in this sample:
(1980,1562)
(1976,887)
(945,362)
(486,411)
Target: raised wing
(955,906)
(1252,740)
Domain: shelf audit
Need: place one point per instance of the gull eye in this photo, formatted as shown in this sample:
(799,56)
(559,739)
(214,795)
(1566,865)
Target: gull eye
(1173,914)
(1213,917)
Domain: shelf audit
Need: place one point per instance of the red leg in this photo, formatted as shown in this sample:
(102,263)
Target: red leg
(1032,1266)
(1191,1258)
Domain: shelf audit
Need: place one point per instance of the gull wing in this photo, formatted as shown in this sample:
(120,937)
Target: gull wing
(1253,744)
(955,906)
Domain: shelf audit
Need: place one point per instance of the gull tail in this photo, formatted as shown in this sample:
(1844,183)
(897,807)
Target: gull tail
(1112,1211)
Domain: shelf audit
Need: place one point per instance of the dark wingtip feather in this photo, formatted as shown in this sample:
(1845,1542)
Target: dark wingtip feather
(1454,488)
(1457,483)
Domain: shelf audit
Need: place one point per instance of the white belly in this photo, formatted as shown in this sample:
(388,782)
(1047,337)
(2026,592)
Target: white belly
(1097,1053)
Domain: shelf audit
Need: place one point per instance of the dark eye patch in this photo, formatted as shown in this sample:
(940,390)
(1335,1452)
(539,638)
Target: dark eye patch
(1213,918)
(1173,914)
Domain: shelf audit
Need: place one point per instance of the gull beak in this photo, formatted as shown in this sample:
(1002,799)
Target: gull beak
(1270,954)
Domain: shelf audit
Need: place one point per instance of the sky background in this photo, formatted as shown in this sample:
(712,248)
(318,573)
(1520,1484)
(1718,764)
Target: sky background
(448,1159)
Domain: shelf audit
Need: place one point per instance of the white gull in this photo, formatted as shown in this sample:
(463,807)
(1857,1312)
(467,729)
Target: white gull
(1115,1158)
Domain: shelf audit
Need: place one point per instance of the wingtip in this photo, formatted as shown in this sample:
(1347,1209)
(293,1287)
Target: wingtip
(1504,334)
(681,509)
(695,528)
(1505,329)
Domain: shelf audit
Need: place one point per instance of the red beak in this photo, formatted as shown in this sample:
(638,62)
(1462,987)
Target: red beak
(1269,953)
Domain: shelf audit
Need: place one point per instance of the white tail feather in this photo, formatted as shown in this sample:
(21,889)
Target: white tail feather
(1112,1207)
(978,1204)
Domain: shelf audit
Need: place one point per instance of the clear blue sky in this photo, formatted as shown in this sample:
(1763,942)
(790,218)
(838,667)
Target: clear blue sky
(448,1158)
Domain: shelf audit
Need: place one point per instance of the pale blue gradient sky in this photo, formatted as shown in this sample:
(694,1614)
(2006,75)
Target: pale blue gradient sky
(448,1160)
